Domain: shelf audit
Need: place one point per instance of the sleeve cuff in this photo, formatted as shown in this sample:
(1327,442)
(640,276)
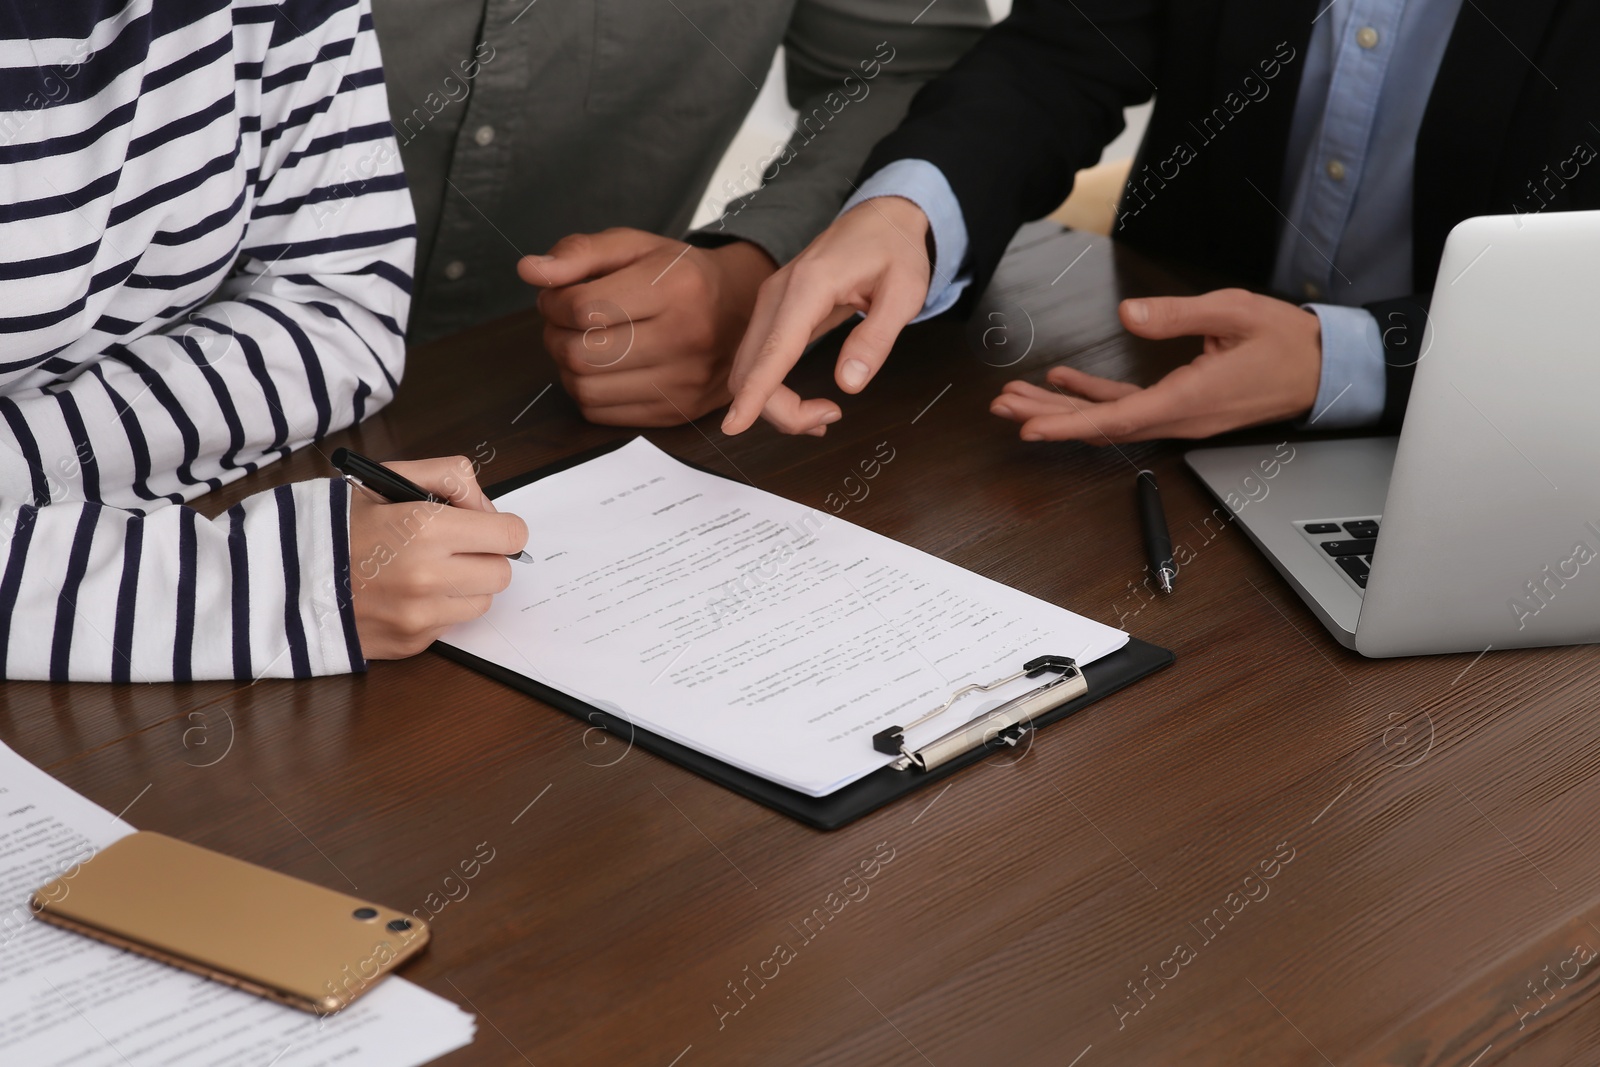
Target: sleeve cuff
(1352,389)
(925,185)
(326,599)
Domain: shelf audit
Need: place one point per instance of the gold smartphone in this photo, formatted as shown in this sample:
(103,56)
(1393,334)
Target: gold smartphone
(264,932)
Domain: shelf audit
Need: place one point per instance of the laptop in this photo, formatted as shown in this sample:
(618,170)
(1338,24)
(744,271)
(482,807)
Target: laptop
(1479,526)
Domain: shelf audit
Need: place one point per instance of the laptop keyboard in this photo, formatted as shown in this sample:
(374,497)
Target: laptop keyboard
(1346,544)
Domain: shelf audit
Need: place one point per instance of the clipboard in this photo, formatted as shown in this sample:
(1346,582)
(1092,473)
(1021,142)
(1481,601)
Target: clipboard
(1101,678)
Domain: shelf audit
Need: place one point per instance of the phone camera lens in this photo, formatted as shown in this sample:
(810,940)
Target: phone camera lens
(365,913)
(398,925)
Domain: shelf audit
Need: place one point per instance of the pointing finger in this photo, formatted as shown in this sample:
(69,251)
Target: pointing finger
(764,360)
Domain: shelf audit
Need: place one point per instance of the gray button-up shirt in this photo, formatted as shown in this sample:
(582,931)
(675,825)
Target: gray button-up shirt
(521,122)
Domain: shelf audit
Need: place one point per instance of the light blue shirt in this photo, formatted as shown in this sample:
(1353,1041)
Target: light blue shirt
(1369,70)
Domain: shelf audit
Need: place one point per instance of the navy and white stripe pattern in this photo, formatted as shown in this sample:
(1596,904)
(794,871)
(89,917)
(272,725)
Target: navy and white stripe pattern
(205,262)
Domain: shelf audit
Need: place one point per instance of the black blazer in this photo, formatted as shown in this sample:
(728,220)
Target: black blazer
(1512,125)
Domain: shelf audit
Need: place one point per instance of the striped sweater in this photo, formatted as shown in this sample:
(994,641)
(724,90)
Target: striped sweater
(205,262)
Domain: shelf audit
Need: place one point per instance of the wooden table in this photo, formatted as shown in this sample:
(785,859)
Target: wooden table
(1104,898)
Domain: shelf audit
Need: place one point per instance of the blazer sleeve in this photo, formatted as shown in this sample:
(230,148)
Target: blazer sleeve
(1034,102)
(852,69)
(304,338)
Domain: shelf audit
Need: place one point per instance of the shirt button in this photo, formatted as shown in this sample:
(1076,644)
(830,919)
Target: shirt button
(455,270)
(1336,170)
(484,135)
(1367,37)
(1312,290)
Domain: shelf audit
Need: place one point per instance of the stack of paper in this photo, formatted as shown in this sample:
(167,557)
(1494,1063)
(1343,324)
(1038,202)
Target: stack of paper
(773,636)
(68,1000)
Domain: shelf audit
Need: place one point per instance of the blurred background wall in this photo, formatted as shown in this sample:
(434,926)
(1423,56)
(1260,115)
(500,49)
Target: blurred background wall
(768,127)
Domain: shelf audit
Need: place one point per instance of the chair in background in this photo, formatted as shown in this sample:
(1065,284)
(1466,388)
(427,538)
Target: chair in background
(1092,207)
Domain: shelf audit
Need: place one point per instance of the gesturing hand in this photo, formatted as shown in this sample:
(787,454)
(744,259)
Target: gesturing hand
(643,328)
(1262,362)
(872,259)
(418,569)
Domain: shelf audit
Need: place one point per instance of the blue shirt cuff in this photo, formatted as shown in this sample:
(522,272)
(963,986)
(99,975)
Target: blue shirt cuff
(925,185)
(1353,385)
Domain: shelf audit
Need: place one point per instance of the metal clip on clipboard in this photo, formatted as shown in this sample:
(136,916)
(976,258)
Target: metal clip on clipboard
(1016,712)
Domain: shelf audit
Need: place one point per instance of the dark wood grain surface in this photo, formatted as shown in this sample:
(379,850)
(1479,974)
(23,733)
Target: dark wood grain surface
(1274,852)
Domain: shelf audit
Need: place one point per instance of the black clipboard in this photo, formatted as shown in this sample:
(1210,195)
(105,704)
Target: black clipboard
(1104,676)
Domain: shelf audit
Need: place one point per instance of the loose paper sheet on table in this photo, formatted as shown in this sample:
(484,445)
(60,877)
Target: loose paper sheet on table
(69,1001)
(773,636)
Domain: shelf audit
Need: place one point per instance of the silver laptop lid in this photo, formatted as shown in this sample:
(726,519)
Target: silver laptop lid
(1491,531)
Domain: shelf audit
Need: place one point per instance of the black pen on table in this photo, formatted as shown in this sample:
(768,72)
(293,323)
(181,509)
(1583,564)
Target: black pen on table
(1157,539)
(370,474)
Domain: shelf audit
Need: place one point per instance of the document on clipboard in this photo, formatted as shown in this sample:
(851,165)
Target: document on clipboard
(769,635)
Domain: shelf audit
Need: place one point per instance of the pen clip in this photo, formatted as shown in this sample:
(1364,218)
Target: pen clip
(371,495)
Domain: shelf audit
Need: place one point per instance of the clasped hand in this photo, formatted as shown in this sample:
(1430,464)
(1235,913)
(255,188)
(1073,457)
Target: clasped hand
(643,328)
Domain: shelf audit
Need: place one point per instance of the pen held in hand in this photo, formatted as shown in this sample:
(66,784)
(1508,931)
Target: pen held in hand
(1157,539)
(373,476)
